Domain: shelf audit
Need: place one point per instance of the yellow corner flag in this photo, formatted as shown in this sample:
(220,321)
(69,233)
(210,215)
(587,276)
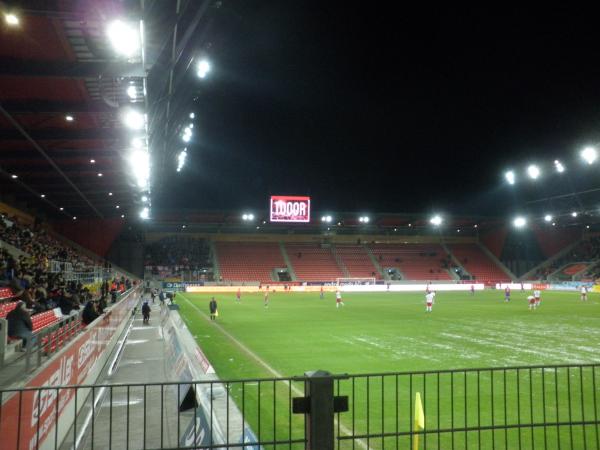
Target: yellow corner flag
(419,420)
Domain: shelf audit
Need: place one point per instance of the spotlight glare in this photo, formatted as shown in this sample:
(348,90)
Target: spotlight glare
(533,171)
(589,155)
(124,38)
(69,118)
(558,166)
(144,198)
(43,195)
(99,174)
(436,220)
(11,19)
(137,143)
(134,120)
(110,194)
(574,214)
(203,68)
(548,218)
(519,222)
(132,92)
(192,115)
(145,213)
(92,161)
(74,217)
(61,209)
(14,177)
(122,216)
(510,177)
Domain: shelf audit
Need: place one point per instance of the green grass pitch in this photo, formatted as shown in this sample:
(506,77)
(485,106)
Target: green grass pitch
(391,332)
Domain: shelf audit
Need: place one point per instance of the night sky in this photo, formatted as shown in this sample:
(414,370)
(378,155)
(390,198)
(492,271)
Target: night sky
(372,109)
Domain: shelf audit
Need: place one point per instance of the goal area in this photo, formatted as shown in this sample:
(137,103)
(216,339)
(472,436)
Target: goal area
(355,281)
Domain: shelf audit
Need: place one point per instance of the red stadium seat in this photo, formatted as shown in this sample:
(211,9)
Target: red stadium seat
(243,261)
(415,261)
(357,261)
(478,263)
(314,264)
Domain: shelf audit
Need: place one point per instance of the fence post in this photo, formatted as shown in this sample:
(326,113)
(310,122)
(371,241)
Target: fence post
(320,416)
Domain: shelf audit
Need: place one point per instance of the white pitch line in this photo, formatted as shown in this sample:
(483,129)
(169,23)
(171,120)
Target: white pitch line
(259,360)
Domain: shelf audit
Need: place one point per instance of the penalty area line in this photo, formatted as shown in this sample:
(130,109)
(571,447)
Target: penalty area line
(265,365)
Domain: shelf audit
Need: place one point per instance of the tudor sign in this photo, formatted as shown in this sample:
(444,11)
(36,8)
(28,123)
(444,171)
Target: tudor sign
(285,208)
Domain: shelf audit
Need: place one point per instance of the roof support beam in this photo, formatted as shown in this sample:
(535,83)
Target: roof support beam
(37,146)
(70,69)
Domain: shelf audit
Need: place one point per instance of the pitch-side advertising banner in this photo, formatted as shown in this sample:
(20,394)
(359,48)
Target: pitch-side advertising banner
(285,208)
(30,417)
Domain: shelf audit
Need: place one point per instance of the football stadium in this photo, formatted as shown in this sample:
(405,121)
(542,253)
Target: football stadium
(282,225)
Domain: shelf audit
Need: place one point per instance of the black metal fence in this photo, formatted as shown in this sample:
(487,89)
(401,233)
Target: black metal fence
(538,407)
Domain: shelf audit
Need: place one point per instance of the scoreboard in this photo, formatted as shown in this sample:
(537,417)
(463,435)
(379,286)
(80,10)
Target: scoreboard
(293,209)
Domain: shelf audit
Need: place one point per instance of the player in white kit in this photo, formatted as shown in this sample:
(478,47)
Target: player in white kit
(338,299)
(584,292)
(429,300)
(536,296)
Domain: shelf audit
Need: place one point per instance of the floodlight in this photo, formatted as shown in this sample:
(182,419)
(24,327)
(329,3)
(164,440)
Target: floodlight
(132,92)
(140,166)
(558,166)
(574,214)
(458,230)
(589,155)
(145,213)
(183,226)
(134,120)
(11,19)
(181,160)
(43,195)
(122,216)
(144,198)
(192,115)
(203,68)
(61,209)
(92,161)
(137,143)
(187,137)
(475,226)
(14,177)
(410,224)
(99,174)
(124,38)
(74,217)
(533,171)
(548,218)
(519,222)
(245,217)
(435,220)
(117,206)
(553,224)
(110,194)
(510,177)
(69,118)
(587,226)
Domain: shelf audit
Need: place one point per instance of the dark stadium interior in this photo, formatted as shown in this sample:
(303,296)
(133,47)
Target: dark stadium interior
(160,156)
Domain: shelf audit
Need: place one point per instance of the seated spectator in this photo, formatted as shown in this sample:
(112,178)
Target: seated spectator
(90,312)
(20,325)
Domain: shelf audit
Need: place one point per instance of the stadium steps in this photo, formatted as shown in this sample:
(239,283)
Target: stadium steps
(482,265)
(382,273)
(499,263)
(288,263)
(339,262)
(529,275)
(455,261)
(316,263)
(215,260)
(414,261)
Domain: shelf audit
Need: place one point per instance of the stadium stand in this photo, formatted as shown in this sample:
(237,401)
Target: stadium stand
(357,261)
(477,263)
(177,256)
(311,262)
(585,255)
(244,261)
(415,261)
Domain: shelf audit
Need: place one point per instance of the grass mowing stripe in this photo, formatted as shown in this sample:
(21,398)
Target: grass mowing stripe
(275,373)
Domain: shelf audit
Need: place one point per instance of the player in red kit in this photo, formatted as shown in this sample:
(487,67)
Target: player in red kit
(322,295)
(238,295)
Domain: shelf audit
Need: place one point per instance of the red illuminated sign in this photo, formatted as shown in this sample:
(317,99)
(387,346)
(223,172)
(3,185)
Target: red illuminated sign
(285,208)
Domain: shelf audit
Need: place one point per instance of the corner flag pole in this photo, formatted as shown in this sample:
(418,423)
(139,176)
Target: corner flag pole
(419,423)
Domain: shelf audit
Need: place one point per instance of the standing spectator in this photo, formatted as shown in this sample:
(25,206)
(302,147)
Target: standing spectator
(212,306)
(146,312)
(19,325)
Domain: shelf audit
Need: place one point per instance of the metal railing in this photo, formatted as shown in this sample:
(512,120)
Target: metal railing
(536,407)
